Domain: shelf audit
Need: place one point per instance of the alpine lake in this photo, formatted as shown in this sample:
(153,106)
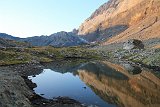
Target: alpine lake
(99,83)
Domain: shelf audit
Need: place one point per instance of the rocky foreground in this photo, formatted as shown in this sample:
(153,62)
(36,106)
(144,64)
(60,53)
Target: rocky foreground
(17,91)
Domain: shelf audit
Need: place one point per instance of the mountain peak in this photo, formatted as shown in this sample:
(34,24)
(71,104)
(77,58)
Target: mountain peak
(117,16)
(109,6)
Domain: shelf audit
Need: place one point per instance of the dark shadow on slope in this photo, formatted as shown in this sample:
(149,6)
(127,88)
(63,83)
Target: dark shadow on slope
(102,35)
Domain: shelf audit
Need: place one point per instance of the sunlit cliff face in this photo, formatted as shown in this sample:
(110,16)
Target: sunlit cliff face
(140,90)
(141,19)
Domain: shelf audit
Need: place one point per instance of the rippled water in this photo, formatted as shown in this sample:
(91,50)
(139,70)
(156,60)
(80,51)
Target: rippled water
(99,83)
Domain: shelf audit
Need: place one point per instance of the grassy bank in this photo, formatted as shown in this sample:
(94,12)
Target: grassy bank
(149,57)
(44,54)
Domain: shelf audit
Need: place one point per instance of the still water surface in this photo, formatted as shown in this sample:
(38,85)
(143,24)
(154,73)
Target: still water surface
(103,84)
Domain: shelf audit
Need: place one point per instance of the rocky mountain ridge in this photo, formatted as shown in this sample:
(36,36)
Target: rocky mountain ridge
(60,39)
(9,37)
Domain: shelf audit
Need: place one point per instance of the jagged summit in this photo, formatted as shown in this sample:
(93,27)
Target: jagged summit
(109,6)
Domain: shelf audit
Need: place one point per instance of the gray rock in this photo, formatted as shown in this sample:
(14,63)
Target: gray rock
(133,44)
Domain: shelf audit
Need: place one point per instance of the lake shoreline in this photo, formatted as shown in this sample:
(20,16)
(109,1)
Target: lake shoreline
(25,95)
(25,90)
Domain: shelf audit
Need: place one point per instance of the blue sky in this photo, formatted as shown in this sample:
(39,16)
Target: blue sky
(26,18)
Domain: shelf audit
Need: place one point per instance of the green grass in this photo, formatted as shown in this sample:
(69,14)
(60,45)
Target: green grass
(153,60)
(8,57)
(43,54)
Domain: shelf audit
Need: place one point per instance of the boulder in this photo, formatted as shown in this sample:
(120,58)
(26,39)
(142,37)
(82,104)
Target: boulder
(133,44)
(132,69)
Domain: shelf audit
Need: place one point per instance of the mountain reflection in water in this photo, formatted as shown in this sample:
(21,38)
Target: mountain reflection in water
(123,84)
(142,90)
